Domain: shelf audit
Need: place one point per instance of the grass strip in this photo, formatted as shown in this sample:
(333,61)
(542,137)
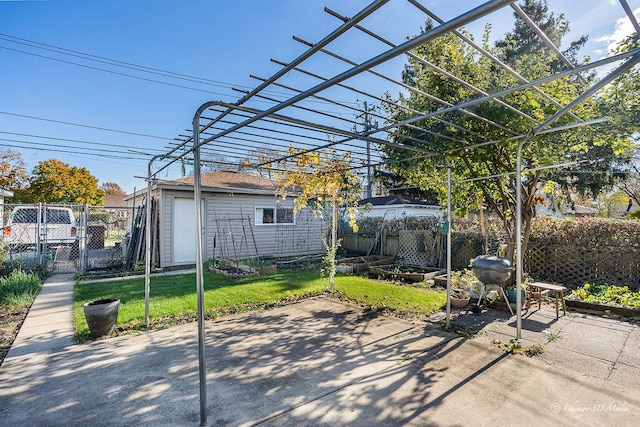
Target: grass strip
(173,297)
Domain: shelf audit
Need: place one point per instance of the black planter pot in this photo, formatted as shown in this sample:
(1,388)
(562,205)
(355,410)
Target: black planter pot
(101,316)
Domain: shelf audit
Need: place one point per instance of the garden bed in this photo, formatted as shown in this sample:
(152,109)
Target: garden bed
(605,298)
(232,269)
(11,319)
(405,272)
(238,270)
(440,279)
(602,308)
(362,264)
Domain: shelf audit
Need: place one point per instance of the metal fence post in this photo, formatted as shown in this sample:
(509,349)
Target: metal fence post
(37,233)
(85,240)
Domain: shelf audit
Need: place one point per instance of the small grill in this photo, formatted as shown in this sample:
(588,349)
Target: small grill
(492,270)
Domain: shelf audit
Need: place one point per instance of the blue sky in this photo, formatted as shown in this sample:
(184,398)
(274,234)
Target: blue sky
(222,41)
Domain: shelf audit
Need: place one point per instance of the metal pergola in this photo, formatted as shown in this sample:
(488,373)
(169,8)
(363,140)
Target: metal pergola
(311,103)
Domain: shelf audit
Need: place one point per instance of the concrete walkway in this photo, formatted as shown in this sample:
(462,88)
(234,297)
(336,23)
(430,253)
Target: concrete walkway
(49,326)
(321,362)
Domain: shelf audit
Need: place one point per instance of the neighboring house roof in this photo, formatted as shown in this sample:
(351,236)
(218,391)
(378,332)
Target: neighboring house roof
(6,193)
(579,210)
(548,207)
(114,200)
(395,199)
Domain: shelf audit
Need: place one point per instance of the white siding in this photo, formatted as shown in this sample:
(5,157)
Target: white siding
(166,221)
(233,222)
(230,225)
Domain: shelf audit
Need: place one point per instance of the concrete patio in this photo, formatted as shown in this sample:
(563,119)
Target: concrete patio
(323,362)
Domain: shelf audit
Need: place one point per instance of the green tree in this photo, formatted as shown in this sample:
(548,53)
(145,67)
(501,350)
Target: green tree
(523,40)
(612,205)
(601,164)
(631,186)
(323,181)
(516,114)
(13,174)
(53,181)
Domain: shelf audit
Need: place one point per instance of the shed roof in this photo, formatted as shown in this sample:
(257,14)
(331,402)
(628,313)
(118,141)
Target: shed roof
(579,210)
(6,193)
(228,180)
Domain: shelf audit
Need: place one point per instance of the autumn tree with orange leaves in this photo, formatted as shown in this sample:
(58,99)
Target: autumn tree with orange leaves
(53,181)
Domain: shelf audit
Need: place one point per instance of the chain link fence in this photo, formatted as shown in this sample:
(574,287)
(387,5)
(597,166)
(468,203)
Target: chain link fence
(64,238)
(106,237)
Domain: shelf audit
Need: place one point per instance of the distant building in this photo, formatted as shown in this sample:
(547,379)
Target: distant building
(398,206)
(114,201)
(3,194)
(579,211)
(623,210)
(545,207)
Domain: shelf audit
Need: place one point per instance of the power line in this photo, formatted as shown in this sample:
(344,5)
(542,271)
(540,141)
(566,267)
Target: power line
(103,158)
(127,65)
(81,141)
(115,72)
(86,126)
(115,62)
(98,152)
(59,150)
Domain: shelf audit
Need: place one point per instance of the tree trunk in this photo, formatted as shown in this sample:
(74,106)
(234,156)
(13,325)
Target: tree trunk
(526,234)
(334,245)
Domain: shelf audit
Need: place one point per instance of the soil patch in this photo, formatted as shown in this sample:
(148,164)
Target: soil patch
(11,319)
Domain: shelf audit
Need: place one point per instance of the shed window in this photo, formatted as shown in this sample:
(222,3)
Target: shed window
(277,215)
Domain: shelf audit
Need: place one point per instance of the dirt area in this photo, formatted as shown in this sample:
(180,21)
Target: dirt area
(11,319)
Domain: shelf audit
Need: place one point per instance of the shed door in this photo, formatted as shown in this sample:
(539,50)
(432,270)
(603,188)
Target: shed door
(184,230)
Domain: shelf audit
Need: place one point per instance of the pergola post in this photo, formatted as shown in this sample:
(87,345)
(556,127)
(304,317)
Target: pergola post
(197,195)
(519,239)
(448,321)
(147,251)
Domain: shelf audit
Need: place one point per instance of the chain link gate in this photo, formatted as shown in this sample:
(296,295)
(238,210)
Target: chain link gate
(41,234)
(108,230)
(65,238)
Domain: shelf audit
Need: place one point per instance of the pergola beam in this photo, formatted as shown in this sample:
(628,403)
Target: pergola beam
(295,120)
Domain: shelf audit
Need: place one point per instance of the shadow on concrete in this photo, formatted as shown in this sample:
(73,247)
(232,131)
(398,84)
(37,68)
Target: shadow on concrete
(316,362)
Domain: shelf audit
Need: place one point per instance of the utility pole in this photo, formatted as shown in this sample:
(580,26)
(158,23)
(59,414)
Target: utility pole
(366,117)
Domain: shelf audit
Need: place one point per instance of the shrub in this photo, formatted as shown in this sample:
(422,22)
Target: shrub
(19,288)
(586,232)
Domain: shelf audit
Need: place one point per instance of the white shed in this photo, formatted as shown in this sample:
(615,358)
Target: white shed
(397,206)
(243,219)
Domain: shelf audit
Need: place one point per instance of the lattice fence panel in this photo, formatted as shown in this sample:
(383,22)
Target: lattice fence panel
(416,247)
(464,249)
(576,265)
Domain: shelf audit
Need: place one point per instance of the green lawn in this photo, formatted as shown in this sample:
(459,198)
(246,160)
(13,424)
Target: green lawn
(173,298)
